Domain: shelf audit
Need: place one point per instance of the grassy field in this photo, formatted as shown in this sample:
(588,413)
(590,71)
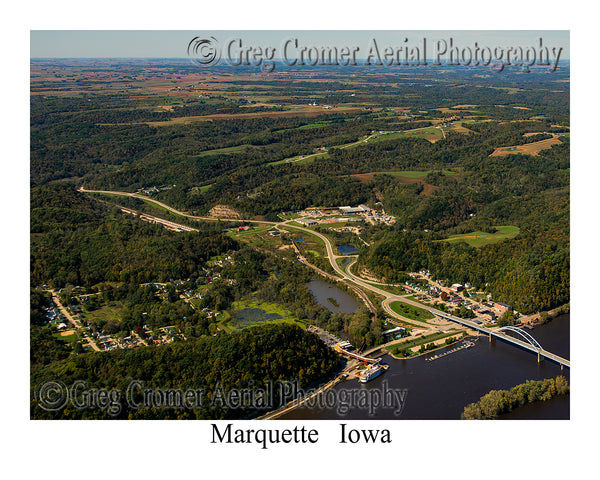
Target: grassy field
(302,159)
(257,236)
(245,313)
(411,312)
(203,188)
(311,245)
(226,150)
(288,216)
(479,238)
(113,310)
(428,133)
(310,126)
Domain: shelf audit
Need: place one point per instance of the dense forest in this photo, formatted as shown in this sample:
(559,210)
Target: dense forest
(80,241)
(249,359)
(497,402)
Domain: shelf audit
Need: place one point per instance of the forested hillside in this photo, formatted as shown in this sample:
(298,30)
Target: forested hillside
(250,359)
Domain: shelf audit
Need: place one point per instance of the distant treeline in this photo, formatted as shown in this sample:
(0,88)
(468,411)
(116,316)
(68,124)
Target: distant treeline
(497,402)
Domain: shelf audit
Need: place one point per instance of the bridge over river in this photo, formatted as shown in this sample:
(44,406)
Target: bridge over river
(527,342)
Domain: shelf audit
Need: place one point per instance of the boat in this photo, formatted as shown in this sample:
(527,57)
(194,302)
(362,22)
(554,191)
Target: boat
(371,372)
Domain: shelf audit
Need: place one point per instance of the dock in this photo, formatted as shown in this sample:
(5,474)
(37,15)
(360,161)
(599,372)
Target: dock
(466,344)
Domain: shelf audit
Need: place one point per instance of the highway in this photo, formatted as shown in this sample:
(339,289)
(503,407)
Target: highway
(331,255)
(347,275)
(170,209)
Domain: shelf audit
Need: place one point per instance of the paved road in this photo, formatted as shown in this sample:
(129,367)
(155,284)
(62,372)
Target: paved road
(345,275)
(331,255)
(171,209)
(75,323)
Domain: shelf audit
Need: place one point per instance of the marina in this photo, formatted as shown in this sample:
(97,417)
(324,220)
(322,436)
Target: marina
(464,345)
(440,390)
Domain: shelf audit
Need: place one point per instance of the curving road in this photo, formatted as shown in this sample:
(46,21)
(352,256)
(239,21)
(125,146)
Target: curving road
(331,255)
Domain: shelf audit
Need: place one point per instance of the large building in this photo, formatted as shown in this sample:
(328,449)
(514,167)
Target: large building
(309,222)
(502,307)
(359,209)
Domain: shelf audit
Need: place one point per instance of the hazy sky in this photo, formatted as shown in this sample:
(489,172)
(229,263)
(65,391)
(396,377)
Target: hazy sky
(173,44)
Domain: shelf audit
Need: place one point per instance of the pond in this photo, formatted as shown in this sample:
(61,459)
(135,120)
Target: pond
(347,249)
(328,295)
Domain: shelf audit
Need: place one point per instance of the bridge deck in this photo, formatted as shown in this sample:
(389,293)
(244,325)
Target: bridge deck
(543,353)
(337,348)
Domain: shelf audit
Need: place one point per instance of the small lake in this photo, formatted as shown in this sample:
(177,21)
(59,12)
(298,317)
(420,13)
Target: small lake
(324,292)
(347,249)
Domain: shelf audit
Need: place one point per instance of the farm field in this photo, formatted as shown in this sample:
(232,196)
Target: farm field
(479,238)
(533,148)
(225,151)
(432,134)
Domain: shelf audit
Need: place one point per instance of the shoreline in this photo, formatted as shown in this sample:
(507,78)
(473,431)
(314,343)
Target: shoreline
(432,350)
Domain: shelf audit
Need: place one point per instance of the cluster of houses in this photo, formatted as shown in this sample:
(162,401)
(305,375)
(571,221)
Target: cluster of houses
(488,310)
(162,336)
(209,313)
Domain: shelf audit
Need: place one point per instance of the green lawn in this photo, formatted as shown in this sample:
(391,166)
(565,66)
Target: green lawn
(159,208)
(411,312)
(66,338)
(399,347)
(479,239)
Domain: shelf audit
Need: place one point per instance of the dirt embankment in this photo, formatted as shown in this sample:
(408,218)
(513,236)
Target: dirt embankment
(223,211)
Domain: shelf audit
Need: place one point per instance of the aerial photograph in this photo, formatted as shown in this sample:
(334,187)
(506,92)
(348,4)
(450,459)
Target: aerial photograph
(300,225)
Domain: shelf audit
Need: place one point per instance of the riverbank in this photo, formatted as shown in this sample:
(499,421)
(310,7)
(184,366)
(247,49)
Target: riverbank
(424,341)
(346,374)
(497,402)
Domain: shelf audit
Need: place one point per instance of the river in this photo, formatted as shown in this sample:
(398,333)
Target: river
(440,389)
